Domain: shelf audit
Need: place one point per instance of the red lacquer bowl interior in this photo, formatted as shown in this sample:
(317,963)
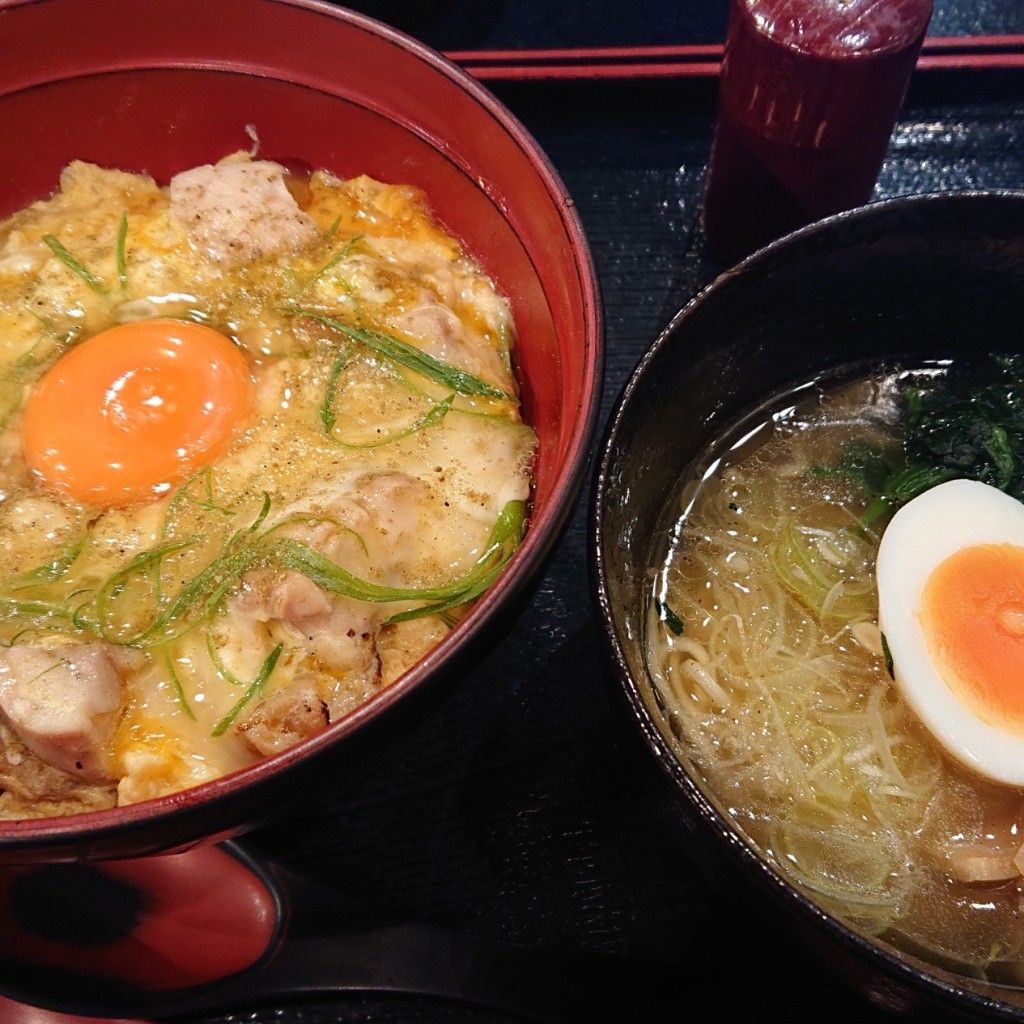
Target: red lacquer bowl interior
(159,86)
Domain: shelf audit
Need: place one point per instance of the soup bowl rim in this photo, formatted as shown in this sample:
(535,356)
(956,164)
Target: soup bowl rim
(914,978)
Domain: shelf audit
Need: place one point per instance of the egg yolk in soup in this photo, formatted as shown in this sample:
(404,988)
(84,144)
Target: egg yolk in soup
(973,618)
(261,451)
(135,410)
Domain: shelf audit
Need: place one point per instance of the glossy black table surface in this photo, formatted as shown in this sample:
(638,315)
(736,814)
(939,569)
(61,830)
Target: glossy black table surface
(525,807)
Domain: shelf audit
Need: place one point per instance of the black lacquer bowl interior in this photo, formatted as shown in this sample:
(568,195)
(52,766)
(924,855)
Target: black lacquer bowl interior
(926,276)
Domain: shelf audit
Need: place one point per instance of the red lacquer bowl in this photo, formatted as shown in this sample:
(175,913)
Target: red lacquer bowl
(159,86)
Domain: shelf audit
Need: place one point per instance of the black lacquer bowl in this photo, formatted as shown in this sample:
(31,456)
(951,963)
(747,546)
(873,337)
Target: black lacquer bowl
(927,276)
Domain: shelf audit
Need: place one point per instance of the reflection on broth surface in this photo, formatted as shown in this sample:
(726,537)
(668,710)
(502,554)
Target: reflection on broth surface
(261,449)
(764,643)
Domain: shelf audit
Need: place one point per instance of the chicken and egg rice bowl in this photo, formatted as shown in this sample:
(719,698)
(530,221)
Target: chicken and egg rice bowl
(261,446)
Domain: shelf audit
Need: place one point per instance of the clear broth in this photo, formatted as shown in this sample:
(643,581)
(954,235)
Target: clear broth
(790,714)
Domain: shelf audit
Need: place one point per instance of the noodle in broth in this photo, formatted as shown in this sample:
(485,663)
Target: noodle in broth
(764,646)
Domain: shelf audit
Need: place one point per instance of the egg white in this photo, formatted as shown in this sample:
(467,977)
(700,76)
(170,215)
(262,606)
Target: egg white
(922,534)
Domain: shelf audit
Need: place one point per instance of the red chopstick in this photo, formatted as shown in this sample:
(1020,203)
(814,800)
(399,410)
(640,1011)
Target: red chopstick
(703,60)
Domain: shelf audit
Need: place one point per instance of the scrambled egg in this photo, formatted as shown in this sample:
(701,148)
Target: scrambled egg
(261,447)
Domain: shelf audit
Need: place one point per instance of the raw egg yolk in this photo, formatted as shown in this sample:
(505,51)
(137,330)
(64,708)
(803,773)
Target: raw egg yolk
(134,410)
(972,614)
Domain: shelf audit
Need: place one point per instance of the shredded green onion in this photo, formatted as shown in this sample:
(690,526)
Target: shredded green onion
(263,513)
(411,357)
(220,666)
(179,691)
(115,585)
(10,608)
(72,263)
(831,571)
(122,262)
(255,690)
(128,607)
(206,503)
(337,258)
(327,417)
(24,369)
(431,418)
(48,572)
(504,538)
(332,230)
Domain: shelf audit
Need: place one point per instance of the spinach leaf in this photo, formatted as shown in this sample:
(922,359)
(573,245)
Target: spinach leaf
(968,423)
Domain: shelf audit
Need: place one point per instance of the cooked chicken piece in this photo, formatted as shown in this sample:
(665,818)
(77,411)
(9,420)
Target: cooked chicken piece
(336,631)
(288,596)
(63,704)
(395,501)
(343,639)
(979,865)
(370,527)
(28,782)
(284,718)
(239,211)
(436,329)
(401,644)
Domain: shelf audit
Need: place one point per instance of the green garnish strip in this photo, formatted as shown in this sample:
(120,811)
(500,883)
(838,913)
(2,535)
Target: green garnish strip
(434,415)
(48,572)
(115,583)
(802,570)
(179,691)
(183,494)
(11,608)
(219,665)
(411,357)
(122,260)
(255,690)
(503,540)
(332,229)
(22,371)
(431,418)
(327,417)
(198,600)
(342,254)
(72,263)
(669,617)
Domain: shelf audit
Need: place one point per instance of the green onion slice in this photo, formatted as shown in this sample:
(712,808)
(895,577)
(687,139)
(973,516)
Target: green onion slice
(409,356)
(179,691)
(122,261)
(337,258)
(48,572)
(73,264)
(41,611)
(202,596)
(255,690)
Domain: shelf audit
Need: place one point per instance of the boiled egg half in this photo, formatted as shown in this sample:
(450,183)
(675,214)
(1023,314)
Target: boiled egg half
(951,608)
